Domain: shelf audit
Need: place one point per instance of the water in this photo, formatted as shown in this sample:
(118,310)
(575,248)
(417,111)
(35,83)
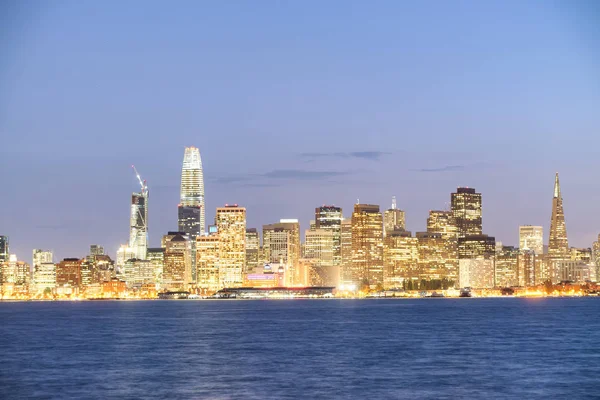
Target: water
(425,348)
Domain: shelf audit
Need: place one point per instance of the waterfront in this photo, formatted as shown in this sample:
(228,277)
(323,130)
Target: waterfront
(416,348)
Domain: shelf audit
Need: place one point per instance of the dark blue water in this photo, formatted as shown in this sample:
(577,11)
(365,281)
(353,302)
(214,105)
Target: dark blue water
(426,348)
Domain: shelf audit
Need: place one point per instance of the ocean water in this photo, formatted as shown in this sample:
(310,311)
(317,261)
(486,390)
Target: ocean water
(302,349)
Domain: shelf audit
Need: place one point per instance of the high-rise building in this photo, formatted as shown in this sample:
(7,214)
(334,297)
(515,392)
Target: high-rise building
(177,269)
(526,268)
(475,246)
(319,247)
(400,258)
(442,223)
(42,256)
(191,211)
(96,250)
(15,273)
(507,274)
(138,230)
(252,250)
(68,272)
(156,256)
(531,238)
(346,272)
(44,277)
(207,263)
(330,218)
(123,254)
(281,245)
(437,257)
(231,227)
(558,245)
(466,209)
(4,248)
(138,272)
(596,257)
(394,219)
(367,245)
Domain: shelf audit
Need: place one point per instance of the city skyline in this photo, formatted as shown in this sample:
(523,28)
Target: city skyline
(143,195)
(292,109)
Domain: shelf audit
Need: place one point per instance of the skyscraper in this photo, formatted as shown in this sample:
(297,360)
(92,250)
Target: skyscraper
(207,263)
(231,226)
(138,227)
(400,258)
(531,238)
(393,219)
(252,250)
(466,209)
(281,244)
(367,245)
(191,212)
(330,218)
(41,256)
(177,268)
(4,250)
(558,245)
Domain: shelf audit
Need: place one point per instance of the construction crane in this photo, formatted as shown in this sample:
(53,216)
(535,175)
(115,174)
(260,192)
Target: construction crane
(142,182)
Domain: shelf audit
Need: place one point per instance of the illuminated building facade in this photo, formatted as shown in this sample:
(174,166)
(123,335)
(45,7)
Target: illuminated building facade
(393,219)
(138,272)
(96,250)
(475,246)
(346,251)
(526,268)
(466,209)
(476,273)
(252,250)
(177,269)
(400,258)
(68,272)
(507,261)
(42,256)
(4,248)
(319,258)
(138,227)
(330,218)
(437,257)
(207,263)
(367,245)
(281,244)
(231,227)
(558,245)
(156,256)
(15,274)
(596,257)
(191,211)
(44,277)
(442,222)
(531,238)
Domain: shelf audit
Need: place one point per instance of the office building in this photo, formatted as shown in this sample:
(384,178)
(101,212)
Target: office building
(281,245)
(531,238)
(191,210)
(346,272)
(393,219)
(466,209)
(156,256)
(507,262)
(42,256)
(207,263)
(367,245)
(558,245)
(138,230)
(4,248)
(475,246)
(44,277)
(138,272)
(330,218)
(177,268)
(400,259)
(68,272)
(476,273)
(252,250)
(231,227)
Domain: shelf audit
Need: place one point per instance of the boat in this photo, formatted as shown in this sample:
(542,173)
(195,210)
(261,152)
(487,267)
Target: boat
(465,292)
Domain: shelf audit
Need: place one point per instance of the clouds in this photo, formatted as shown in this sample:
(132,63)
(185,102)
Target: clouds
(365,155)
(279,177)
(447,168)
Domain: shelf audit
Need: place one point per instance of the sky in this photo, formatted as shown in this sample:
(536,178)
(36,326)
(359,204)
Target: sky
(295,104)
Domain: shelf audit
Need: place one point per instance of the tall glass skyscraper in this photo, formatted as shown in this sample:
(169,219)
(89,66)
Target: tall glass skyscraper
(466,209)
(191,213)
(138,226)
(4,251)
(558,245)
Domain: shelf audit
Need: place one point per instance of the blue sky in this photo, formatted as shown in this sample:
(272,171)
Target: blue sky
(294,105)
